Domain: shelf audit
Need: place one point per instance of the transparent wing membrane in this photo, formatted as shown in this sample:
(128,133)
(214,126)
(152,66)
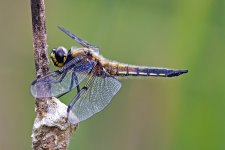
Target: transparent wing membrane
(76,38)
(63,80)
(94,97)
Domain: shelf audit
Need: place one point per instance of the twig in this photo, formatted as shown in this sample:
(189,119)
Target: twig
(51,130)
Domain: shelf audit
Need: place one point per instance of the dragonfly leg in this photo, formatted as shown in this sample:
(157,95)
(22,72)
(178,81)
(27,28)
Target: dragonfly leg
(74,77)
(76,81)
(78,92)
(81,91)
(62,77)
(60,80)
(70,106)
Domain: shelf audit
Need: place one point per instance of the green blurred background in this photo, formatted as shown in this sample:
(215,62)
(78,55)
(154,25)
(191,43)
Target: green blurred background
(183,113)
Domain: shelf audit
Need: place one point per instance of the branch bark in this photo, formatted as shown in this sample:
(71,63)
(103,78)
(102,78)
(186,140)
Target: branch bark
(51,131)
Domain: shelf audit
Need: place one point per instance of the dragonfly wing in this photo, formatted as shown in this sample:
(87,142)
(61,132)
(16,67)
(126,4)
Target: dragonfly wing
(96,95)
(76,38)
(63,80)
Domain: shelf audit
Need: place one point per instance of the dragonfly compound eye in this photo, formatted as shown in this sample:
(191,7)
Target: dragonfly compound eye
(59,56)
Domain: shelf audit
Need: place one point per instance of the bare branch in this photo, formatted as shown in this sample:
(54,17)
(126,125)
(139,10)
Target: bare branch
(51,130)
(39,37)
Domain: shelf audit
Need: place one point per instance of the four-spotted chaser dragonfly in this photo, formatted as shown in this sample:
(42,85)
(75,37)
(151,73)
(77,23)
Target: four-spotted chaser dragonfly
(102,84)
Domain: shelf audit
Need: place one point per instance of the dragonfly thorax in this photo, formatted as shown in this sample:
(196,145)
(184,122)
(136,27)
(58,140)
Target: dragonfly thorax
(58,56)
(82,51)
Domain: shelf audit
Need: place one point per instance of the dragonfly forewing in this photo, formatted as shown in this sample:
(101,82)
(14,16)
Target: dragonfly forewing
(76,38)
(63,80)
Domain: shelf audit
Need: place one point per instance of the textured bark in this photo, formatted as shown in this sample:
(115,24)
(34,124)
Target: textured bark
(51,131)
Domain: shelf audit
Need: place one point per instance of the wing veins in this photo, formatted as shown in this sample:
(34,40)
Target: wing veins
(94,98)
(76,38)
(60,80)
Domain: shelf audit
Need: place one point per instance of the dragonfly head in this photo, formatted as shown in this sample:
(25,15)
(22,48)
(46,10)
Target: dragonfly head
(58,56)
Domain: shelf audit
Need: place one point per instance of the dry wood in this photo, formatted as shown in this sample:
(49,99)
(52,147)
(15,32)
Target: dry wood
(51,131)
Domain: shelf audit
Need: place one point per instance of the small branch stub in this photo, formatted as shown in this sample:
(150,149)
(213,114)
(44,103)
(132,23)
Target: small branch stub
(51,131)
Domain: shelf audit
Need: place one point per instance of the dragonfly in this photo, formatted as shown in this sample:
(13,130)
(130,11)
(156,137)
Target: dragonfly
(102,84)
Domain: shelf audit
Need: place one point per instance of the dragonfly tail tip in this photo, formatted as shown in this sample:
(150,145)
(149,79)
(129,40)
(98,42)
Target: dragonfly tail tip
(177,73)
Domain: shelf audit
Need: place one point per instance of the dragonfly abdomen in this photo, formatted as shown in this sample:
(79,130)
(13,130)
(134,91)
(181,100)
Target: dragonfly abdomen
(118,69)
(160,72)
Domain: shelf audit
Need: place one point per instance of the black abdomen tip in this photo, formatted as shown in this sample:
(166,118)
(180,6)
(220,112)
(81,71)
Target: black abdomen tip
(176,73)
